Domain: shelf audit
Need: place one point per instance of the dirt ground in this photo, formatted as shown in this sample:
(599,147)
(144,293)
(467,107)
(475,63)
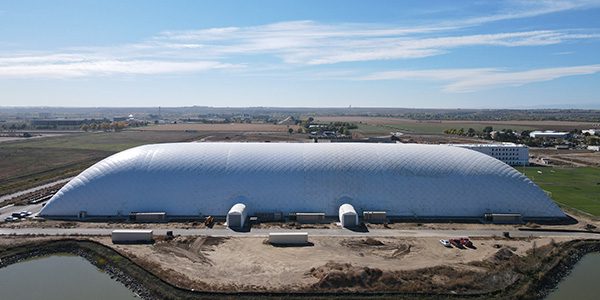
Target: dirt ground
(274,137)
(441,139)
(248,263)
(575,158)
(583,220)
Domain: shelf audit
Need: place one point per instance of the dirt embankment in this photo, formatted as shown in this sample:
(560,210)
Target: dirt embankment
(497,268)
(502,275)
(509,272)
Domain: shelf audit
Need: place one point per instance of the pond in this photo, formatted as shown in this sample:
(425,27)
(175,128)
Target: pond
(583,282)
(63,277)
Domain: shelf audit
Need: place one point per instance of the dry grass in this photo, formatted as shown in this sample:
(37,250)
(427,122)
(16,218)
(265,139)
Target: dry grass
(233,127)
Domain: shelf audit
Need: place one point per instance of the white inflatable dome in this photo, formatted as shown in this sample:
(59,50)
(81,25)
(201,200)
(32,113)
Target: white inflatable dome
(405,180)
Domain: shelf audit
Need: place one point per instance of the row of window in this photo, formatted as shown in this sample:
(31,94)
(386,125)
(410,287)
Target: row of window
(505,149)
(505,154)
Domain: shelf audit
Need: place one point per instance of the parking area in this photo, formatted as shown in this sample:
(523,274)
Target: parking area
(8,210)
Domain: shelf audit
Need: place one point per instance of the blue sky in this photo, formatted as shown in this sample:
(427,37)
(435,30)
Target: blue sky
(439,54)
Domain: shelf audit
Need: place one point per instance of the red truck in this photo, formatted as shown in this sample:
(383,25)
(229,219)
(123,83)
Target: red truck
(466,242)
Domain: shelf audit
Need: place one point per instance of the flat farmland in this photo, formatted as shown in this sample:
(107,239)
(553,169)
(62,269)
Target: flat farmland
(231,127)
(29,163)
(28,167)
(23,161)
(32,162)
(383,125)
(107,141)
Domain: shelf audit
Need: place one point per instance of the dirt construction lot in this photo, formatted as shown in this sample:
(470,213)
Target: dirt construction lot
(248,263)
(575,158)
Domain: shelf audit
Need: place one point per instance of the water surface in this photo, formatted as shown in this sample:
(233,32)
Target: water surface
(60,277)
(583,283)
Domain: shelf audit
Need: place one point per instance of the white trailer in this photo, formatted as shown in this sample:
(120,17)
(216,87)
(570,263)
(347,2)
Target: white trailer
(131,236)
(348,216)
(236,217)
(288,238)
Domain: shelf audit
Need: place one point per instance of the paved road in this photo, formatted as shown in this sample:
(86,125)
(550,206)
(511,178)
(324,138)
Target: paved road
(312,232)
(33,189)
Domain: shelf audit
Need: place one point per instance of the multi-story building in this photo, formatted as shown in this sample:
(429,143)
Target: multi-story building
(510,153)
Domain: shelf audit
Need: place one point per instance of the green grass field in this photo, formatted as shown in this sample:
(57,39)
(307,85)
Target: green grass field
(578,188)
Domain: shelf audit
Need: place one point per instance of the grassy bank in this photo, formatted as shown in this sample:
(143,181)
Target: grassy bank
(578,188)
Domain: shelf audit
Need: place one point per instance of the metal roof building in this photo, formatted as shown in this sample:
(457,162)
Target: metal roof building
(405,180)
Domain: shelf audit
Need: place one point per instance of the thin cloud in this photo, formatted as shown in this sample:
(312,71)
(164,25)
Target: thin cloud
(48,67)
(306,47)
(499,79)
(292,44)
(471,80)
(528,9)
(564,53)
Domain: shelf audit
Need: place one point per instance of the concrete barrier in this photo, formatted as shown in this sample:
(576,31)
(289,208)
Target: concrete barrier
(131,236)
(288,238)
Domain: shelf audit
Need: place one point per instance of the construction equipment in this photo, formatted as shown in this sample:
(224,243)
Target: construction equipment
(209,221)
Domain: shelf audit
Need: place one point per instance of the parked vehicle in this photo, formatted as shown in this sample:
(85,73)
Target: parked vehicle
(456,243)
(16,215)
(466,242)
(446,243)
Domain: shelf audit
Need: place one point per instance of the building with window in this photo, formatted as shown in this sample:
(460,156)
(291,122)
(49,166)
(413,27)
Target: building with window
(509,153)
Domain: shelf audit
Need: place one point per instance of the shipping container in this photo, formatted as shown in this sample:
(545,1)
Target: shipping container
(148,217)
(375,217)
(310,218)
